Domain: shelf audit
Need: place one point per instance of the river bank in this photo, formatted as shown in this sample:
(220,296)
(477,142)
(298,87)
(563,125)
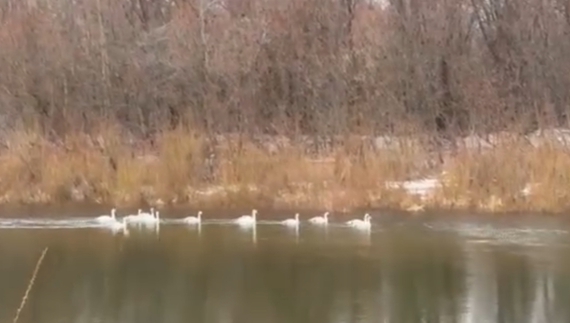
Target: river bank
(499,173)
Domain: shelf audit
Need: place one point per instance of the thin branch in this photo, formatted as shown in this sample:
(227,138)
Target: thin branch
(30,285)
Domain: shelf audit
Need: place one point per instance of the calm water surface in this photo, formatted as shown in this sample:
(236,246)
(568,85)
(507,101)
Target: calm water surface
(403,271)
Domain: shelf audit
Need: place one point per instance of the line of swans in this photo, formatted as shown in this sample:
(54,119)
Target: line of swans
(141,218)
(248,220)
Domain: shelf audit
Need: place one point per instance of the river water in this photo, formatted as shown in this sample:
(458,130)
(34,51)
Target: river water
(419,270)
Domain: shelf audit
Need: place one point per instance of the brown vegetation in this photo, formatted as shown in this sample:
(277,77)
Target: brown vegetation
(238,102)
(188,168)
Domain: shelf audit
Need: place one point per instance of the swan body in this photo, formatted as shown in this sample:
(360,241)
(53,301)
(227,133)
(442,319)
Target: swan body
(154,218)
(118,225)
(291,222)
(247,220)
(320,219)
(193,219)
(107,218)
(133,217)
(144,217)
(360,224)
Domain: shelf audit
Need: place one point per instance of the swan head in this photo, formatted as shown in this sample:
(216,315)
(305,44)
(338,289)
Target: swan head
(199,214)
(367,217)
(157,215)
(253,213)
(297,216)
(139,212)
(113,210)
(151,210)
(326,215)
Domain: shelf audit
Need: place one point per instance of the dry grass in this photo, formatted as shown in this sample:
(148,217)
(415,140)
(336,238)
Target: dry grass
(178,169)
(30,285)
(513,176)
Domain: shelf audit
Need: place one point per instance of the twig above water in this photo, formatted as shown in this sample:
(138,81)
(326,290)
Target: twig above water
(30,285)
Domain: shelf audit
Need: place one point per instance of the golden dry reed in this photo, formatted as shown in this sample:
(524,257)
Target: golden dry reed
(178,169)
(30,285)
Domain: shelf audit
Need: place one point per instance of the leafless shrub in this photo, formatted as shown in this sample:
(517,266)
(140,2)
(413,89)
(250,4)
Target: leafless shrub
(126,76)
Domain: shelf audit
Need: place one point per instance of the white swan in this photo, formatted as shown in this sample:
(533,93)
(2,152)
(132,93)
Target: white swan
(320,219)
(118,226)
(142,217)
(146,215)
(247,220)
(133,217)
(291,222)
(107,218)
(360,224)
(193,219)
(154,218)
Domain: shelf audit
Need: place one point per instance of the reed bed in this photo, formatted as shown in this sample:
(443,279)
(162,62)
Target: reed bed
(183,167)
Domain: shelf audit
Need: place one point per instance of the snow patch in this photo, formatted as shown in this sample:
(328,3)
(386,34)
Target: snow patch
(421,187)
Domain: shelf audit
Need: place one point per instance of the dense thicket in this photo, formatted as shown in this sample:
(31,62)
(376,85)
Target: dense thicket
(284,67)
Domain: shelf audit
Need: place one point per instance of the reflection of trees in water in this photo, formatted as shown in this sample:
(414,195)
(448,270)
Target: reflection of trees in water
(402,278)
(420,281)
(504,286)
(542,304)
(480,288)
(551,288)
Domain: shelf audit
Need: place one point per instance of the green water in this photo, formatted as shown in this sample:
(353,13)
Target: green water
(401,272)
